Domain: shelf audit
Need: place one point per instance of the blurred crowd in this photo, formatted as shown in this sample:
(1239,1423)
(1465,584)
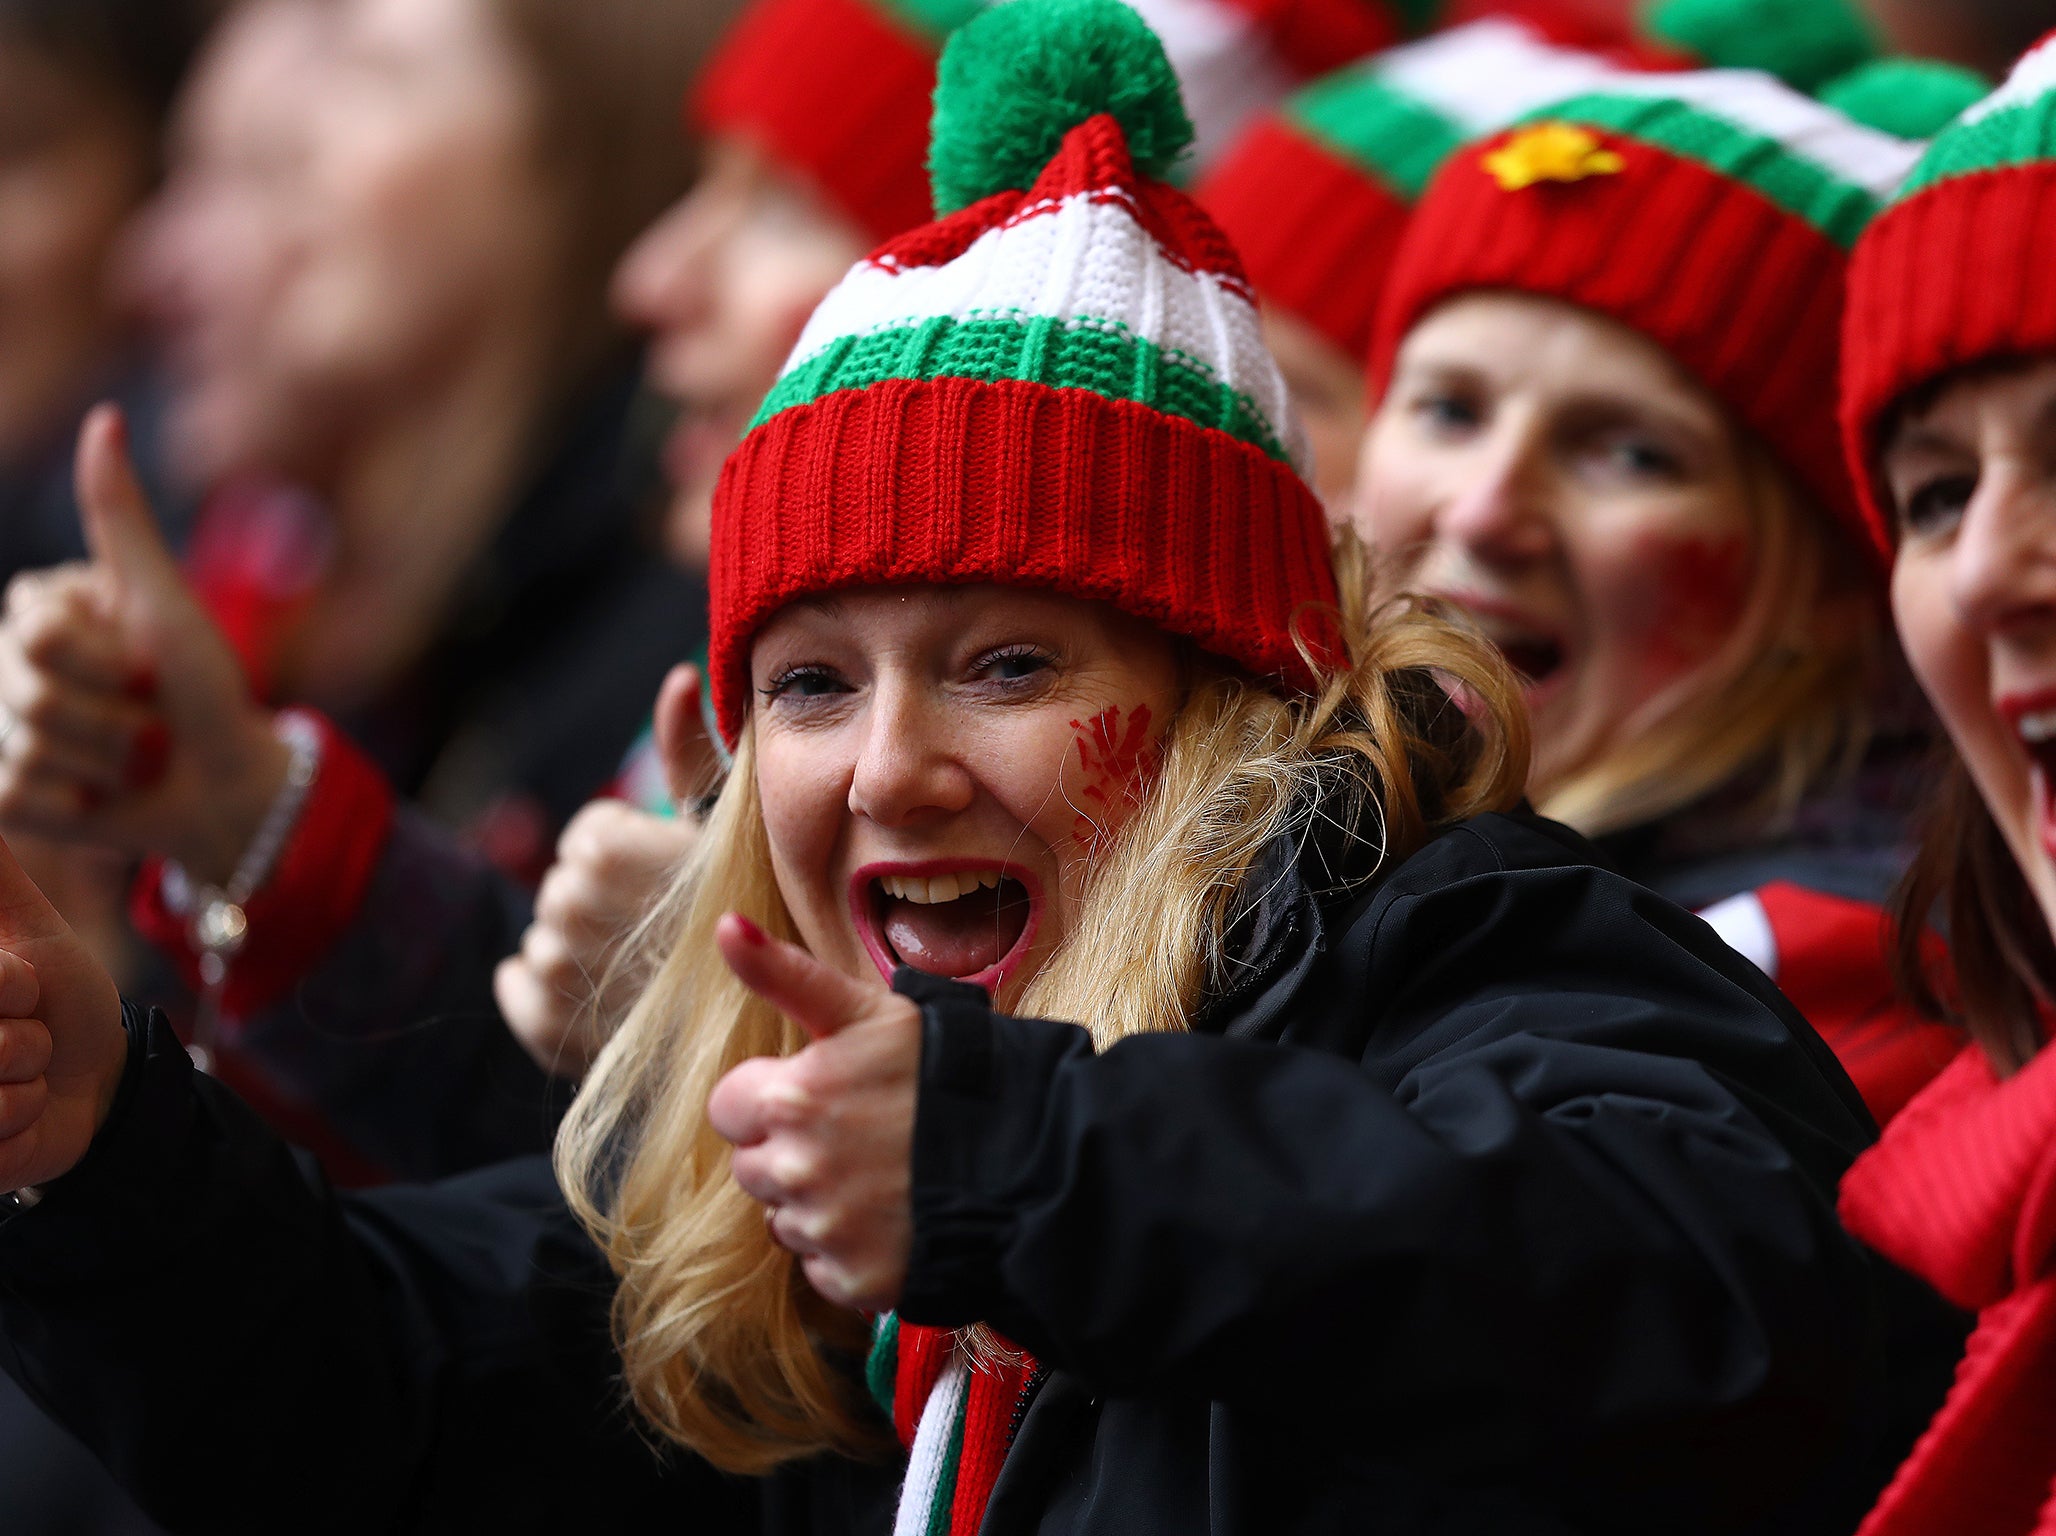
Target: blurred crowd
(368,369)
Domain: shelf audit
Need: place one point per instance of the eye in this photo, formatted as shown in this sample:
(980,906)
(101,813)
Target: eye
(1935,506)
(1013,664)
(805,682)
(1447,413)
(1638,456)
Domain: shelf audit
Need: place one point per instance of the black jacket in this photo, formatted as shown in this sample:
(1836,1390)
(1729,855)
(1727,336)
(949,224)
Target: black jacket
(1497,1196)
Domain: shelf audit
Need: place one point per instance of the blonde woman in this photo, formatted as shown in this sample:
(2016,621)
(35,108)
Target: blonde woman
(1606,434)
(1407,1173)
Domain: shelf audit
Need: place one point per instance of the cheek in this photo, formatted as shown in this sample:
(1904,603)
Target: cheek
(1111,761)
(1393,506)
(1948,661)
(1676,601)
(803,809)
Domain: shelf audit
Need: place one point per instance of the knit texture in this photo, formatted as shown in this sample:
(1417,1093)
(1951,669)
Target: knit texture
(1317,194)
(1962,1191)
(1805,43)
(1984,193)
(837,92)
(1710,210)
(956,1416)
(1064,387)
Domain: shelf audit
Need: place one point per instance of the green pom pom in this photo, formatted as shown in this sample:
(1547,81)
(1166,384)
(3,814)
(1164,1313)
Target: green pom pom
(1015,80)
(1913,98)
(1805,43)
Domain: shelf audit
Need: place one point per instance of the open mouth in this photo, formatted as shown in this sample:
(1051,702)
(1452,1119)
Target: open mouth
(966,919)
(2033,719)
(1532,650)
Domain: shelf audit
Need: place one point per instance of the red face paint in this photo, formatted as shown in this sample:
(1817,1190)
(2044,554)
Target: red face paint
(1696,592)
(1118,761)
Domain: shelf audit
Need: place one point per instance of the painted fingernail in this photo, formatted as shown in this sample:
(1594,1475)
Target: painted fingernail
(141,684)
(751,933)
(149,756)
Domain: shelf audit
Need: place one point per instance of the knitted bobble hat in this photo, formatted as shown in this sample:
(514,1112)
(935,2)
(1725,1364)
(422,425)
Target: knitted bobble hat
(836,91)
(1060,384)
(1712,211)
(1957,270)
(1317,194)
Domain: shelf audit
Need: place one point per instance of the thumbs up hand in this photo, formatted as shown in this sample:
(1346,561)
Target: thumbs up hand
(125,720)
(824,1140)
(62,1047)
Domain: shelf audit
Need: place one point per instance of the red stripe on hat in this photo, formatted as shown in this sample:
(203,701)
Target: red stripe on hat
(1317,234)
(1312,37)
(1745,295)
(836,91)
(1956,274)
(1093,162)
(953,481)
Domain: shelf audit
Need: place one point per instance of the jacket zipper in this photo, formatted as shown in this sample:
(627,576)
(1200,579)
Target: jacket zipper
(1029,1388)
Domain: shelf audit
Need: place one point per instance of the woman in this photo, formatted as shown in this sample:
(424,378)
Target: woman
(1279,1260)
(1602,360)
(471,172)
(1947,397)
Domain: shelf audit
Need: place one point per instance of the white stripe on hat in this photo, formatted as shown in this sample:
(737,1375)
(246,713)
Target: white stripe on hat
(2031,78)
(1084,260)
(1763,104)
(1484,75)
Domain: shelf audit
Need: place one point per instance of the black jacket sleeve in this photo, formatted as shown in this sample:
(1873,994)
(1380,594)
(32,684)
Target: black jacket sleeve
(1537,1171)
(247,1351)
(396,1038)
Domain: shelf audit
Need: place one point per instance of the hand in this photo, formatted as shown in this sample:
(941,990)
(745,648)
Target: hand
(62,1047)
(132,727)
(825,1139)
(613,862)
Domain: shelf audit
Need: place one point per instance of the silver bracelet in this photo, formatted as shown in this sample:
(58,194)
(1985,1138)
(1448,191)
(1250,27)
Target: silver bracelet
(219,924)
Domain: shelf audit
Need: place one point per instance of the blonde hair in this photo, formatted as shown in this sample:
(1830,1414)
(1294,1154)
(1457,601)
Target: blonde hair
(1784,706)
(724,1347)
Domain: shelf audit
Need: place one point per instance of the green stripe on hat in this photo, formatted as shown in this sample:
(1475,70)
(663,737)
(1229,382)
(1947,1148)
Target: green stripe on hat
(2019,135)
(1099,355)
(1839,209)
(1392,136)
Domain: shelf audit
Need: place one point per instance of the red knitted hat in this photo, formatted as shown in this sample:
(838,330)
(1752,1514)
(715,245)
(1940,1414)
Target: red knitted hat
(838,89)
(1957,269)
(1712,211)
(1061,387)
(1317,193)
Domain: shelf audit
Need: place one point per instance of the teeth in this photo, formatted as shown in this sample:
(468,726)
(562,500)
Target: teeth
(2036,729)
(938,888)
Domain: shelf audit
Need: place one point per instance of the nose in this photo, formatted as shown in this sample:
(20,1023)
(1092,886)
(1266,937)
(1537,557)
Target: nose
(662,283)
(1499,514)
(908,769)
(2003,561)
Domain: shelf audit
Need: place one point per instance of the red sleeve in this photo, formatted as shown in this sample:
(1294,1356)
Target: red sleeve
(313,896)
(1834,964)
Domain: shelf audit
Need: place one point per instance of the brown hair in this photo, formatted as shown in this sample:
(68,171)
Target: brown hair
(1999,972)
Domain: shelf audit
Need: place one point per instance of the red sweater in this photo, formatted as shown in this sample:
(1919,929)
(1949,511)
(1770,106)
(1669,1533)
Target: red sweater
(1962,1191)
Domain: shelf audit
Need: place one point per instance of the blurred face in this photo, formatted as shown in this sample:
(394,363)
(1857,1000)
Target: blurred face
(1972,480)
(725,282)
(218,250)
(1557,476)
(73,162)
(431,221)
(1327,387)
(936,763)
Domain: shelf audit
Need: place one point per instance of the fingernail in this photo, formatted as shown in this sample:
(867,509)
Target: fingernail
(149,756)
(751,933)
(141,684)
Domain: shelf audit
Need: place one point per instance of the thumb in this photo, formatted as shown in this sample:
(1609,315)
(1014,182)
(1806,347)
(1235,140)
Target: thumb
(821,1000)
(25,913)
(120,527)
(683,745)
